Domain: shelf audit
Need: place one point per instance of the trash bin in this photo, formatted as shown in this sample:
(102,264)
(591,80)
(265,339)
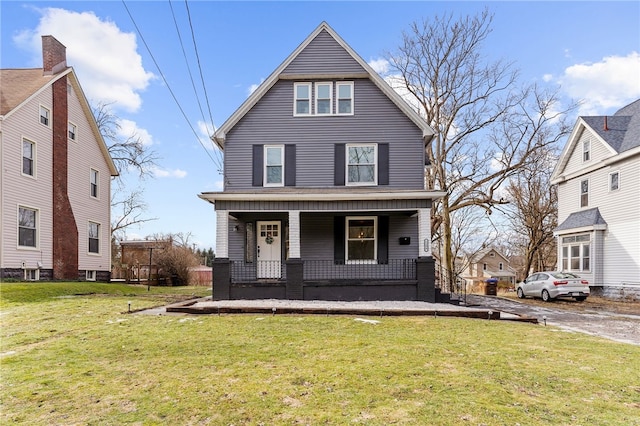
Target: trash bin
(491,287)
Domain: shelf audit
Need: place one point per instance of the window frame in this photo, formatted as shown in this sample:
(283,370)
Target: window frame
(266,166)
(581,242)
(586,150)
(32,159)
(29,271)
(317,98)
(44,117)
(90,275)
(375,164)
(338,98)
(309,87)
(611,175)
(374,239)
(89,238)
(584,195)
(72,135)
(35,228)
(94,187)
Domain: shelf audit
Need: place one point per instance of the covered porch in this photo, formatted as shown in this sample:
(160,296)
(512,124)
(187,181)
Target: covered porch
(360,246)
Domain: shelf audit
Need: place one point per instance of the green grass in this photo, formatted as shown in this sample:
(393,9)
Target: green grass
(83,360)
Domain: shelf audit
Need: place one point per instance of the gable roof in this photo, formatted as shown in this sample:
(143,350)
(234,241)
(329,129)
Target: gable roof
(619,133)
(590,218)
(220,134)
(477,256)
(18,86)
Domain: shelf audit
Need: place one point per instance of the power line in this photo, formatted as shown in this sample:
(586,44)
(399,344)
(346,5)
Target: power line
(167,84)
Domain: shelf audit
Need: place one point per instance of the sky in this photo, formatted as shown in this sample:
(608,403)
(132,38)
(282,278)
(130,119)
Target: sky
(173,70)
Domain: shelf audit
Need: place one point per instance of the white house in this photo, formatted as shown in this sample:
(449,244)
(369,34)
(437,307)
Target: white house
(55,194)
(598,178)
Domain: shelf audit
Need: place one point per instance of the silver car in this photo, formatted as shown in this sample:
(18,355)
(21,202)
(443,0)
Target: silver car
(550,285)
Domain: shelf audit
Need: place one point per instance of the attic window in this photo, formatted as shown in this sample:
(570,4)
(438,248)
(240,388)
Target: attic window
(44,115)
(73,129)
(586,150)
(302,105)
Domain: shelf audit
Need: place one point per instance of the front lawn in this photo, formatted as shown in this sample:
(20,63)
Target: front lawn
(77,357)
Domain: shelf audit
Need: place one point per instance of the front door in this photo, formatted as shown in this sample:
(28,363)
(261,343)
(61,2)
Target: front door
(269,249)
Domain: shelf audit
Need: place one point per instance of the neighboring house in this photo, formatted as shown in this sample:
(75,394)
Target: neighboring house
(324,185)
(55,190)
(137,261)
(598,178)
(487,263)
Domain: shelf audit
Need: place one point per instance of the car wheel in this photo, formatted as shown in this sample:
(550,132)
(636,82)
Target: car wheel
(581,299)
(546,296)
(520,294)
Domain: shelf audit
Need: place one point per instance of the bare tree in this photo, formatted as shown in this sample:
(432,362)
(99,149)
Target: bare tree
(129,154)
(533,213)
(487,127)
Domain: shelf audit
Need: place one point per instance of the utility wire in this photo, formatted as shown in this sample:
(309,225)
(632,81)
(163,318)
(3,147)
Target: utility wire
(204,87)
(167,83)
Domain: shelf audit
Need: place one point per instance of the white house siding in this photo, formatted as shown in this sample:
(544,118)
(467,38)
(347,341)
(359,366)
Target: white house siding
(83,155)
(598,152)
(621,242)
(23,190)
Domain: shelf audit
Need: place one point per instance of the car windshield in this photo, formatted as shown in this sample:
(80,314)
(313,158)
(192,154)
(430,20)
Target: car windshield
(564,275)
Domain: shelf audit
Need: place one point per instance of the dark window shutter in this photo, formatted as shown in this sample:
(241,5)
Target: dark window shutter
(258,163)
(338,239)
(339,164)
(383,164)
(289,165)
(383,239)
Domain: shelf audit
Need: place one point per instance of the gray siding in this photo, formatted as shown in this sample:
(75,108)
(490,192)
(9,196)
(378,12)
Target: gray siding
(323,55)
(376,120)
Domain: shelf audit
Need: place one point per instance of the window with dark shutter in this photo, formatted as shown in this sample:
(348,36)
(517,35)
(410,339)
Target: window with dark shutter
(339,164)
(290,165)
(258,152)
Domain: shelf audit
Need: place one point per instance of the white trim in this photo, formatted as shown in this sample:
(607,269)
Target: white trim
(316,97)
(424,232)
(90,275)
(375,164)
(264,166)
(616,172)
(324,196)
(97,175)
(75,131)
(99,252)
(37,236)
(582,193)
(48,117)
(294,234)
(375,239)
(222,234)
(34,153)
(586,150)
(353,107)
(295,99)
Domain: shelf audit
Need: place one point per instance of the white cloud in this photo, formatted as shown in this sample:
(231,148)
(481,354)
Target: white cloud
(254,87)
(105,58)
(129,128)
(162,173)
(380,65)
(609,84)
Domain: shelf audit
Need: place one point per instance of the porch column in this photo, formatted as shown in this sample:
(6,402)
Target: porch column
(424,232)
(295,267)
(221,264)
(294,234)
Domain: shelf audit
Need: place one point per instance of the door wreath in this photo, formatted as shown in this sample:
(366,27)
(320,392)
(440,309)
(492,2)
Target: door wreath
(269,239)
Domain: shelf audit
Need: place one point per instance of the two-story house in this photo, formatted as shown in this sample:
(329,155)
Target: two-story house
(324,185)
(598,178)
(56,174)
(486,263)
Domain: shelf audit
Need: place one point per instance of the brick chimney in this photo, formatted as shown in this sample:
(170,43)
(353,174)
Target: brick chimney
(54,55)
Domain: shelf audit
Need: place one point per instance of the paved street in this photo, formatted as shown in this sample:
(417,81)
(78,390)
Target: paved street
(610,325)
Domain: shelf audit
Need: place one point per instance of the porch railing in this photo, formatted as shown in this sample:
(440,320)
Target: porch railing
(395,269)
(258,270)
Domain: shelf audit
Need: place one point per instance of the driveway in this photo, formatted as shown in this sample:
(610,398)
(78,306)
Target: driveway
(618,326)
